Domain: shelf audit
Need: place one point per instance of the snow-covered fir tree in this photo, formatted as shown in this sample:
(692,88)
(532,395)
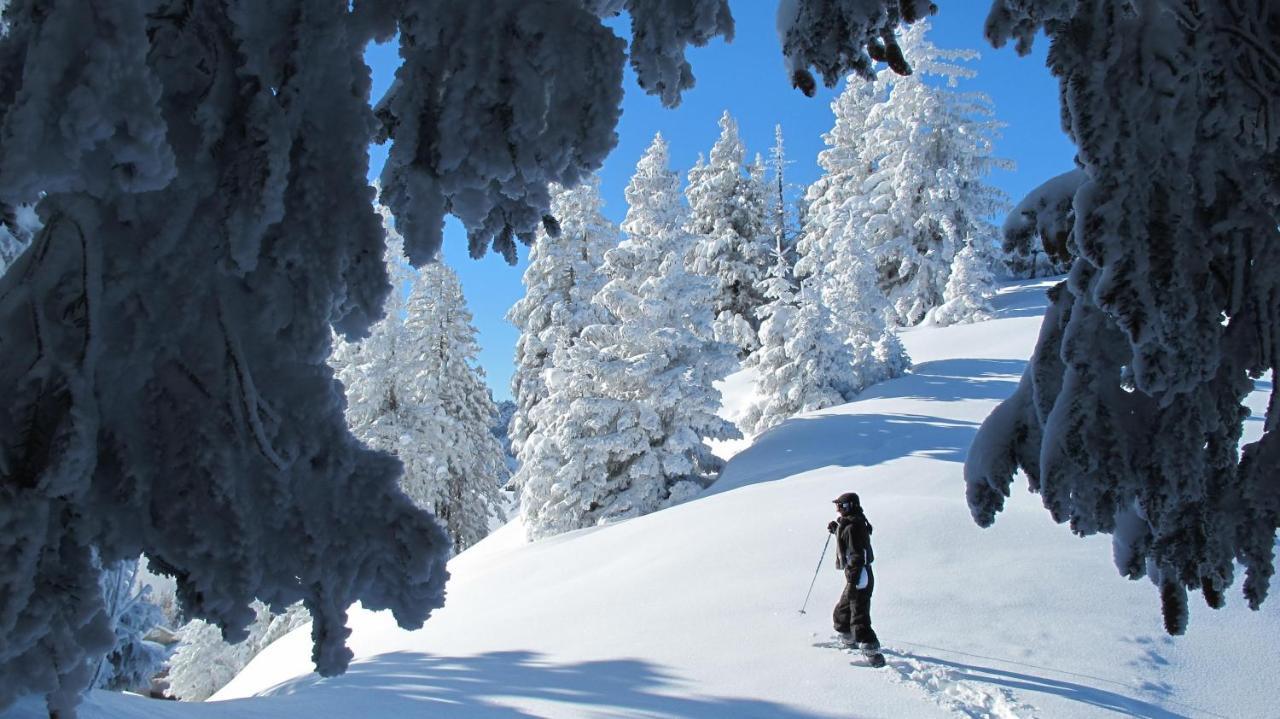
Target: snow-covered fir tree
(927,151)
(461,467)
(191,294)
(205,662)
(801,364)
(781,208)
(727,219)
(1037,232)
(844,170)
(631,403)
(967,296)
(413,390)
(837,271)
(372,370)
(502,430)
(562,277)
(1129,416)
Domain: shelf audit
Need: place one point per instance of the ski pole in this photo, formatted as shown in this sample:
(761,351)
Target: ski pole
(815,574)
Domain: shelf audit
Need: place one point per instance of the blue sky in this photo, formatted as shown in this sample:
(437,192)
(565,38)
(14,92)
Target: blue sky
(746,78)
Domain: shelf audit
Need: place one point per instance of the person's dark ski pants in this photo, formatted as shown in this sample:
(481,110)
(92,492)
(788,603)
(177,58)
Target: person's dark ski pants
(853,612)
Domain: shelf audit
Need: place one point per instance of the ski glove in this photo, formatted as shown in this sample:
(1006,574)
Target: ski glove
(832,526)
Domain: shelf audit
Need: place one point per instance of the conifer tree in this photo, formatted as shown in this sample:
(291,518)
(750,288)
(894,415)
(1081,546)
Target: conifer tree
(460,465)
(925,196)
(562,277)
(780,207)
(1129,416)
(967,297)
(631,403)
(206,236)
(801,365)
(835,269)
(727,219)
(413,391)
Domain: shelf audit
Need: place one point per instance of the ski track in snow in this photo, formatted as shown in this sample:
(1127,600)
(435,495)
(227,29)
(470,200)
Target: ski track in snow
(960,696)
(944,685)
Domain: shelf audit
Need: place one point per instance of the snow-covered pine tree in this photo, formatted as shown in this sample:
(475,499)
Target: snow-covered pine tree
(371,370)
(967,297)
(562,277)
(727,220)
(1129,417)
(801,365)
(462,465)
(829,198)
(835,270)
(502,431)
(219,323)
(631,403)
(205,662)
(927,151)
(1037,232)
(413,391)
(781,209)
(387,406)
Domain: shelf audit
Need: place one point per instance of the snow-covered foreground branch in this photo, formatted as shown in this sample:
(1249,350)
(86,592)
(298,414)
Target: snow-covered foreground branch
(207,223)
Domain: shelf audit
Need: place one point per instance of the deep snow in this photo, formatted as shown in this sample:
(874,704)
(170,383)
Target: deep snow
(693,611)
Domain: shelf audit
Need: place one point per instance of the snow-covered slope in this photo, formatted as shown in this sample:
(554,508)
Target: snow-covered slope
(694,611)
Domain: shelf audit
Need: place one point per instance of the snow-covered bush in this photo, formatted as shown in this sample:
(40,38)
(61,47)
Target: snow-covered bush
(1129,417)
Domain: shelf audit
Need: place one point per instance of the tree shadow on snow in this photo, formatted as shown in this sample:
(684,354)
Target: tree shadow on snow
(1083,693)
(482,687)
(844,440)
(953,380)
(811,442)
(1029,299)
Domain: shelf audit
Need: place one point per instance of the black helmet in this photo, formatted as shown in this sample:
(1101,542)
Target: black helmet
(848,498)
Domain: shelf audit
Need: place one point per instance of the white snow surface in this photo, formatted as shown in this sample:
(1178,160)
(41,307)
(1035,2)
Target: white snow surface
(693,611)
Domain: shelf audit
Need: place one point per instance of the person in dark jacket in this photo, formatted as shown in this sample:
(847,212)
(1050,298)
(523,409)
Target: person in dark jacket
(852,615)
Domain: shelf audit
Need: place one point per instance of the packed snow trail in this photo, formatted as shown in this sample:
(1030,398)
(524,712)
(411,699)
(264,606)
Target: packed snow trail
(691,612)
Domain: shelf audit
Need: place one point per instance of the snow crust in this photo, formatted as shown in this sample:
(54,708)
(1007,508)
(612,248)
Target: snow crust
(693,611)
